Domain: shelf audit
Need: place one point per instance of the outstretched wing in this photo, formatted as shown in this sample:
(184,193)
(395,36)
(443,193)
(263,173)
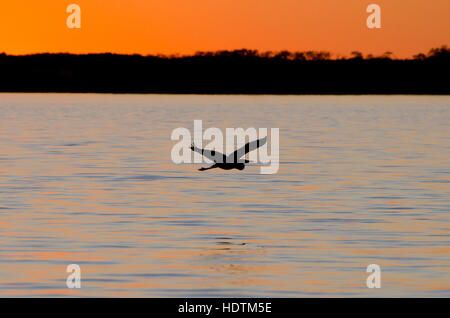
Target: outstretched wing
(252,145)
(213,155)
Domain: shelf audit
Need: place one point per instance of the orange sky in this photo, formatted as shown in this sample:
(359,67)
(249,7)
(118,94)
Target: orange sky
(186,26)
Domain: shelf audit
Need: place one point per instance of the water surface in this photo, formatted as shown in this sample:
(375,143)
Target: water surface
(88,179)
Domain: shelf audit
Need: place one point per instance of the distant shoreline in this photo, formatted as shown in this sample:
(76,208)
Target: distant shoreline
(241,72)
(225,94)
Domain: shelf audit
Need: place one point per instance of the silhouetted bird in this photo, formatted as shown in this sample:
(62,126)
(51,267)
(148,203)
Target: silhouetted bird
(231,161)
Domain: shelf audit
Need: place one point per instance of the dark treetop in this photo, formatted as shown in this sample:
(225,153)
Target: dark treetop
(228,72)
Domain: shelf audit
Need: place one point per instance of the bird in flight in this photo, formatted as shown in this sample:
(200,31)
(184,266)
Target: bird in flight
(233,160)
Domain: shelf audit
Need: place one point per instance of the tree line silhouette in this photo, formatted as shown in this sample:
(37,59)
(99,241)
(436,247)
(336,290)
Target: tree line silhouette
(228,72)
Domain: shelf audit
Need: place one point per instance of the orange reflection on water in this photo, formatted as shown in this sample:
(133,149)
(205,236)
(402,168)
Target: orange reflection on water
(87,179)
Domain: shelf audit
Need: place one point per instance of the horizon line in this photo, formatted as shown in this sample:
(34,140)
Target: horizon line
(327,55)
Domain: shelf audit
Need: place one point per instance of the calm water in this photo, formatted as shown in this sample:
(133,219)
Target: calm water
(88,179)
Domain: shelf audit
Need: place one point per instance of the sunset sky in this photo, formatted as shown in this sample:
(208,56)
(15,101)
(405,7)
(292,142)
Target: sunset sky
(187,26)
